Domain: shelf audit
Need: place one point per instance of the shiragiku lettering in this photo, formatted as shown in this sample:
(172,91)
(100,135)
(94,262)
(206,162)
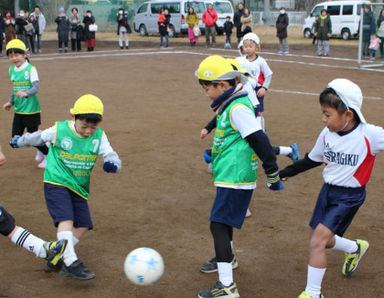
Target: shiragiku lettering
(341,158)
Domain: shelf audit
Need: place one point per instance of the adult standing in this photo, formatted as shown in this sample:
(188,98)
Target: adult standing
(369,28)
(246,22)
(39,27)
(236,21)
(323,31)
(380,31)
(163,22)
(192,21)
(2,33)
(122,28)
(209,19)
(21,22)
(282,32)
(75,21)
(63,27)
(10,27)
(90,36)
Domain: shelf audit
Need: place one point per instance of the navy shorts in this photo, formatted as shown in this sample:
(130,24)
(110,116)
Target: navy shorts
(230,206)
(7,222)
(63,204)
(336,206)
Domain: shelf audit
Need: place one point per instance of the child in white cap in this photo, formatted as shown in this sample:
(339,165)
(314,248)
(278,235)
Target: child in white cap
(347,147)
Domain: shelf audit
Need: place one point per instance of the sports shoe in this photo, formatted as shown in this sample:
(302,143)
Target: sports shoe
(211,265)
(285,52)
(55,250)
(77,270)
(39,156)
(49,267)
(352,260)
(43,163)
(219,290)
(295,155)
(248,214)
(306,295)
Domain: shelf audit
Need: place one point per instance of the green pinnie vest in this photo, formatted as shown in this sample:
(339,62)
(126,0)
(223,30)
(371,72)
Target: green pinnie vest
(233,161)
(21,81)
(71,158)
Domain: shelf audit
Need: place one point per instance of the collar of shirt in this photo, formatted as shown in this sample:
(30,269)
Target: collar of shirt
(22,66)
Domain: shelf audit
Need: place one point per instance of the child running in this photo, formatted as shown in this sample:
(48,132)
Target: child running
(25,80)
(258,68)
(239,141)
(347,146)
(50,251)
(75,145)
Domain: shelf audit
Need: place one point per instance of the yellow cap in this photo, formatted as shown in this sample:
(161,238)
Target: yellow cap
(88,104)
(215,68)
(16,44)
(236,63)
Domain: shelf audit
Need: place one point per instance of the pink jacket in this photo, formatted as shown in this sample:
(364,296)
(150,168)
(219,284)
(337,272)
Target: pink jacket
(374,45)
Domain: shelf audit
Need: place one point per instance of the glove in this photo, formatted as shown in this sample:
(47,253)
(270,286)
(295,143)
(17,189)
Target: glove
(110,167)
(273,182)
(207,155)
(13,142)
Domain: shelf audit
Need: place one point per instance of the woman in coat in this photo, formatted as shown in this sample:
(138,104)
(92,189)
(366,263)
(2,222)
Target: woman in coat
(369,28)
(282,32)
(90,36)
(75,21)
(192,21)
(246,21)
(10,29)
(62,30)
(323,33)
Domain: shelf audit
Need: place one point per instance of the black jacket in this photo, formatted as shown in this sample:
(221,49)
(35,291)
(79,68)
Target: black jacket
(323,28)
(228,26)
(281,25)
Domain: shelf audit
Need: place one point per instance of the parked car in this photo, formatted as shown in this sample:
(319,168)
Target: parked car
(223,8)
(345,17)
(145,18)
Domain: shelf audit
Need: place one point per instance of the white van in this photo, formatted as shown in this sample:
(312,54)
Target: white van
(223,8)
(345,17)
(145,18)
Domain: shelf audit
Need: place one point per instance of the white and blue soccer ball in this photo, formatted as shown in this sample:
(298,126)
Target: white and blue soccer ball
(144,266)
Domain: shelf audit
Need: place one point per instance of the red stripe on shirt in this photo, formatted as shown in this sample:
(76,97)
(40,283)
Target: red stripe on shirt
(363,173)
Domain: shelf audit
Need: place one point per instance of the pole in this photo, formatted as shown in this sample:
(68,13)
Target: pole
(17,6)
(267,12)
(360,35)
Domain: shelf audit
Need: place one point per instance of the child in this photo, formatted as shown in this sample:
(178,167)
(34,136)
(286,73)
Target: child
(374,46)
(228,26)
(75,145)
(238,142)
(347,146)
(25,80)
(63,27)
(259,69)
(51,251)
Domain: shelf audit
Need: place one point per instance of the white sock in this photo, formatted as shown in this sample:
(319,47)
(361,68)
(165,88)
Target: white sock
(75,241)
(26,239)
(232,247)
(314,279)
(225,273)
(344,244)
(69,255)
(285,150)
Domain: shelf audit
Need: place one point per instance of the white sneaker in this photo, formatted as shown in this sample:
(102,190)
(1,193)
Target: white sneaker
(39,156)
(43,164)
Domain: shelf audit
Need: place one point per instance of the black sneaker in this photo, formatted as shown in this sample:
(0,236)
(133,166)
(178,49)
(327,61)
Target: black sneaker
(219,290)
(77,270)
(49,267)
(211,265)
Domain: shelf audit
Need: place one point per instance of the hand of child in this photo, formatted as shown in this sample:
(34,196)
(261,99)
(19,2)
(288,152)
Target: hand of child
(110,167)
(273,182)
(7,106)
(14,141)
(20,94)
(203,133)
(260,92)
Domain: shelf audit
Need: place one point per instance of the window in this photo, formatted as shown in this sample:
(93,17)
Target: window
(172,7)
(222,7)
(197,6)
(347,10)
(156,8)
(317,11)
(142,8)
(333,10)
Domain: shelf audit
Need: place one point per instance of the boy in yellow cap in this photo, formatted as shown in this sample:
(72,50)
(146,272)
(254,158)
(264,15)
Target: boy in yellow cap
(75,145)
(238,142)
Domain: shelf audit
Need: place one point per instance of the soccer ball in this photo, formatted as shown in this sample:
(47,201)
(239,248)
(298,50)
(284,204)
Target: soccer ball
(144,266)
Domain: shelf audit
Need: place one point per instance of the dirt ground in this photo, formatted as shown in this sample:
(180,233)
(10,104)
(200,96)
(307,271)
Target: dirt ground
(154,111)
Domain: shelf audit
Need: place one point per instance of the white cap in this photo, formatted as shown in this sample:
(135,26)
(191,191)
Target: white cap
(252,36)
(350,94)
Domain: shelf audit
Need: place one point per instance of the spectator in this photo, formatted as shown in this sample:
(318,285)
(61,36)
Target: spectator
(10,27)
(369,28)
(32,23)
(209,19)
(282,32)
(90,36)
(2,33)
(323,33)
(62,30)
(192,21)
(163,21)
(228,26)
(21,21)
(40,26)
(246,22)
(122,28)
(237,23)
(76,30)
(380,32)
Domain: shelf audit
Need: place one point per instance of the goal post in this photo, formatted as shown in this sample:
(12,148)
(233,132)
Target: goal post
(365,62)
